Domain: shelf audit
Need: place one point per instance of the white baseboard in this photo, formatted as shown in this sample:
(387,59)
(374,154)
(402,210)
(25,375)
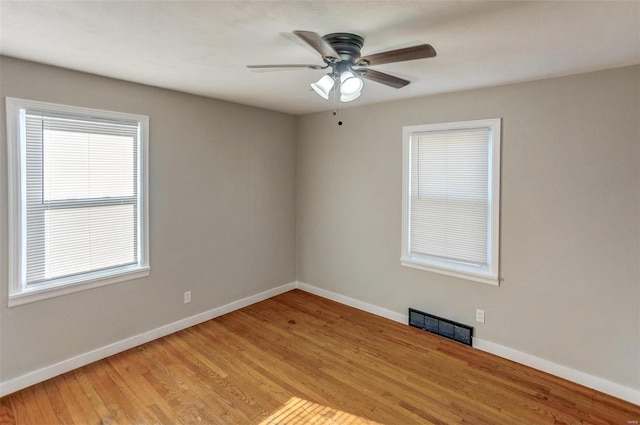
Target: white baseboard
(352,302)
(31,378)
(600,384)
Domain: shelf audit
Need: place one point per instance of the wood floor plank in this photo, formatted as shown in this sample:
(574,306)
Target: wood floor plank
(77,403)
(92,395)
(310,365)
(238,375)
(46,411)
(263,356)
(228,399)
(300,359)
(6,412)
(131,368)
(20,411)
(415,386)
(174,391)
(367,370)
(421,387)
(58,402)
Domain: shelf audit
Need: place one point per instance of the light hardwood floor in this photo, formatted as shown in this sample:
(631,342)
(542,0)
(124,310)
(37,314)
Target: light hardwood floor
(300,359)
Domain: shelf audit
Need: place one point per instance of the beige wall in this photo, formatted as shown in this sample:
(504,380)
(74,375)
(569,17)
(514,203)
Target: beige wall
(222,213)
(569,219)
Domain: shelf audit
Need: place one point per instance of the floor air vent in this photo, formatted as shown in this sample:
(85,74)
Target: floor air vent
(440,326)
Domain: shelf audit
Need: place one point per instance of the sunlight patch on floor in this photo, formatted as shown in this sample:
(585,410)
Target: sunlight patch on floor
(304,412)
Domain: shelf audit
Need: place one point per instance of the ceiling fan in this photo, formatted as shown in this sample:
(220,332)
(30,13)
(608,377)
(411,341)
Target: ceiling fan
(341,53)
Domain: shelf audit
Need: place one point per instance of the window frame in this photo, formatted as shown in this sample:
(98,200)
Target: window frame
(19,292)
(490,274)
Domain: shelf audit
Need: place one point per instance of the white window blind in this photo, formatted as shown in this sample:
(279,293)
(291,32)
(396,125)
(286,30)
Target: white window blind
(81,195)
(451,198)
(449,194)
(77,198)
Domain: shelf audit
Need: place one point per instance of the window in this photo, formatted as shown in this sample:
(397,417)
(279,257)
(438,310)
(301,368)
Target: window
(451,199)
(77,199)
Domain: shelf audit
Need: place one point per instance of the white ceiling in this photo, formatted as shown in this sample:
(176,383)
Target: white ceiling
(202,47)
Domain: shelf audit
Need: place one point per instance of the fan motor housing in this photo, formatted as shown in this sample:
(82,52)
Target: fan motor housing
(347,45)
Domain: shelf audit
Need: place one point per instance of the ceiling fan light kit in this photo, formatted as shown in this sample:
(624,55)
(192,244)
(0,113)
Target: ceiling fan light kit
(350,97)
(341,52)
(323,86)
(350,86)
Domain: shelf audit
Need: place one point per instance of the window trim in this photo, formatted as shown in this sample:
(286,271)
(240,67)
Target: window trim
(490,275)
(19,293)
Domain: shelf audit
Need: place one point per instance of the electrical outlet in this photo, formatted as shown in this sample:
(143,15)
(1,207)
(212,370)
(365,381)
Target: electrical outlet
(479,315)
(187,297)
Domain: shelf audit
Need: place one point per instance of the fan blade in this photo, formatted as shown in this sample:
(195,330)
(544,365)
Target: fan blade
(318,44)
(383,78)
(420,51)
(285,66)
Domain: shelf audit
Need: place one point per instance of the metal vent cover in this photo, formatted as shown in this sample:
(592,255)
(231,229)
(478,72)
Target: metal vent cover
(455,331)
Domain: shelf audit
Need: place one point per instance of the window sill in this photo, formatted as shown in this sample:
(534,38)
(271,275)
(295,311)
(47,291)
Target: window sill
(476,277)
(44,292)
